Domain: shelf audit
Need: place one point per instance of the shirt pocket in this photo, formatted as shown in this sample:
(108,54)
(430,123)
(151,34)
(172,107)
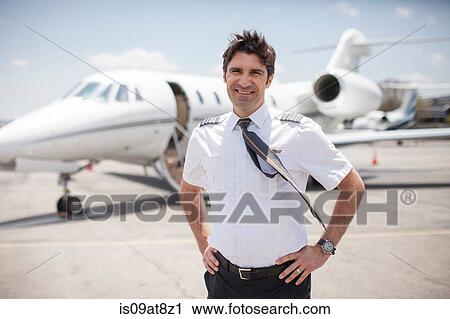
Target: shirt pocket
(297,174)
(221,173)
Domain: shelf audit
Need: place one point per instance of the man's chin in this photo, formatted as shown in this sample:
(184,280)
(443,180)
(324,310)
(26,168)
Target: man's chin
(245,104)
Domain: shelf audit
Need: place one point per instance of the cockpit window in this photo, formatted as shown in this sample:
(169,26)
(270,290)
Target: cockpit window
(87,90)
(122,94)
(105,93)
(73,89)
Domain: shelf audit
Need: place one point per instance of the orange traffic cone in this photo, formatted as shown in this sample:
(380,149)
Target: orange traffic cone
(374,158)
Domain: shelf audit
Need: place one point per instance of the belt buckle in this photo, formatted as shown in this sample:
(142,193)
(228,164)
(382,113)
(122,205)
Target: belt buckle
(240,272)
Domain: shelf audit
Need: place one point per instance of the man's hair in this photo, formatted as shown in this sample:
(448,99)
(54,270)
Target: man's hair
(250,42)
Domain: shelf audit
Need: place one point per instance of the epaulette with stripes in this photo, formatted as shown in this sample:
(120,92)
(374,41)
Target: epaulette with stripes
(211,120)
(290,117)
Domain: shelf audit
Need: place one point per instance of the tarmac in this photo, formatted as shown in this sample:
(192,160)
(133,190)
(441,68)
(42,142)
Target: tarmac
(45,256)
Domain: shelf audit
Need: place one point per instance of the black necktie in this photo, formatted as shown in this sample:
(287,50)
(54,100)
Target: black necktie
(256,147)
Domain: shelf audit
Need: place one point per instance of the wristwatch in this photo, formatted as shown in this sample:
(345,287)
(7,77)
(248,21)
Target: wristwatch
(327,246)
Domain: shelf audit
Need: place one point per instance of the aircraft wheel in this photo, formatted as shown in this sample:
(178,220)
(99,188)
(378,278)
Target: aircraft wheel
(68,205)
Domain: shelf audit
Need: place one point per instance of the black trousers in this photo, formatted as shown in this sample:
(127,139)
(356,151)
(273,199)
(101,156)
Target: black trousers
(225,284)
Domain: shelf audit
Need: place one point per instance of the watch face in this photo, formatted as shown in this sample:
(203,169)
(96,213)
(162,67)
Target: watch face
(328,246)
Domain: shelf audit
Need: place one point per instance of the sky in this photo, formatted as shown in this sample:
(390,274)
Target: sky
(189,37)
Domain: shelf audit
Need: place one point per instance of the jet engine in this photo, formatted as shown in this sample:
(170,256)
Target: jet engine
(344,94)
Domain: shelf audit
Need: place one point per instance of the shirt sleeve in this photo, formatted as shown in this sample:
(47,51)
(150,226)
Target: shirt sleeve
(321,159)
(193,170)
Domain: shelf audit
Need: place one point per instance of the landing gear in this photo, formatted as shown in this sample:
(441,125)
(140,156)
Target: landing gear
(67,205)
(170,165)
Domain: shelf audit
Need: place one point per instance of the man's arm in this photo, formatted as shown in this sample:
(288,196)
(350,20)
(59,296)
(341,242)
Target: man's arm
(310,258)
(351,192)
(195,210)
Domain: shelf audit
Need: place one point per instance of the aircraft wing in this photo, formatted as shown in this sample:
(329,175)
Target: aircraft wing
(363,137)
(414,85)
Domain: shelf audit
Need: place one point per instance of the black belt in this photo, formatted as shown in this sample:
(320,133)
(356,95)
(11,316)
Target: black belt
(251,273)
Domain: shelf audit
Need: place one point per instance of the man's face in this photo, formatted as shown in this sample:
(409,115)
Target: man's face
(246,80)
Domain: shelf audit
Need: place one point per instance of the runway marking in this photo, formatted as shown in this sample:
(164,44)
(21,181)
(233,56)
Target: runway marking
(156,242)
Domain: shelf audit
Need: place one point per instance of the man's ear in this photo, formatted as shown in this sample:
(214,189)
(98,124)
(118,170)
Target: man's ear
(224,77)
(269,81)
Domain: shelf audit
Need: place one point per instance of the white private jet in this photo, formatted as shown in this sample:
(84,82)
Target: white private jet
(145,117)
(402,117)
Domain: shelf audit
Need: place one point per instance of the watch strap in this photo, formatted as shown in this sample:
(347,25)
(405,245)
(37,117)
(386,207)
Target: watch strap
(322,241)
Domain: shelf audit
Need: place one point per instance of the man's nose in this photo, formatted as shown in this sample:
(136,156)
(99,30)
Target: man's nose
(244,81)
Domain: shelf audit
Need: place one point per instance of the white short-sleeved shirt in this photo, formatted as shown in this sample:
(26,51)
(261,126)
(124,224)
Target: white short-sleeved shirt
(217,160)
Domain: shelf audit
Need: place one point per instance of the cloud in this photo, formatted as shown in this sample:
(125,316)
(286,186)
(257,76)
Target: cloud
(437,59)
(347,9)
(414,77)
(19,62)
(136,58)
(402,12)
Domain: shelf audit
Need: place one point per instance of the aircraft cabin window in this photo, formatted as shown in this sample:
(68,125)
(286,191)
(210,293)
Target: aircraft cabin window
(105,93)
(88,89)
(217,97)
(273,101)
(138,95)
(122,94)
(200,97)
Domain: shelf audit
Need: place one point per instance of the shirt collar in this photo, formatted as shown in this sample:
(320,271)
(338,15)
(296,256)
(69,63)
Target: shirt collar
(258,117)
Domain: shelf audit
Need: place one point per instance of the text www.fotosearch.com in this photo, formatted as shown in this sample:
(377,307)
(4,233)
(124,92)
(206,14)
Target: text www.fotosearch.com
(226,309)
(242,309)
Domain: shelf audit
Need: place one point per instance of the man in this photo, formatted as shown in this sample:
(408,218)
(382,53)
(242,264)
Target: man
(230,154)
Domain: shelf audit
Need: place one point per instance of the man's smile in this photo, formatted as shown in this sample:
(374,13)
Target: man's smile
(244,92)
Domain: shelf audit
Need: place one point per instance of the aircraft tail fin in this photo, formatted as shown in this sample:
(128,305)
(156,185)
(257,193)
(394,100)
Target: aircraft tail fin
(405,114)
(353,45)
(409,102)
(349,51)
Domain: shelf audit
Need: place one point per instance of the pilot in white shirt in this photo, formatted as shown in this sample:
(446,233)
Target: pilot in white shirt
(217,161)
(257,157)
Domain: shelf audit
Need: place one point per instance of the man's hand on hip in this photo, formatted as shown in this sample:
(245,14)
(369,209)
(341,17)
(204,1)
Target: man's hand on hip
(307,259)
(210,261)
